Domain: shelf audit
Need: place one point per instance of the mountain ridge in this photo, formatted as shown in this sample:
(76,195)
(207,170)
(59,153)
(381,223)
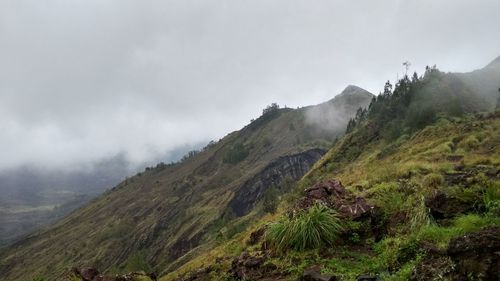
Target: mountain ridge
(174,215)
(170,212)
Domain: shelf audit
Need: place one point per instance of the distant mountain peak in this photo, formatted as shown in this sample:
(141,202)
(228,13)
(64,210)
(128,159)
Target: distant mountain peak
(352,88)
(494,63)
(352,92)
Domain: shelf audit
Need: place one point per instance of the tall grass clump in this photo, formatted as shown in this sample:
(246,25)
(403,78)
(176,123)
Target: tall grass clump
(433,180)
(491,198)
(313,228)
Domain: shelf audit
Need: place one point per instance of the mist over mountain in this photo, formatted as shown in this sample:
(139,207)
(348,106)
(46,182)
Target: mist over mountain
(226,180)
(333,115)
(226,140)
(484,81)
(33,197)
(143,79)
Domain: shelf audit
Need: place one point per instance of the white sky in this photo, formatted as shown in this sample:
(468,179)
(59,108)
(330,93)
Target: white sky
(84,80)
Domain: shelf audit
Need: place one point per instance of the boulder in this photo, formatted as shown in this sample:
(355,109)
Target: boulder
(92,274)
(86,273)
(442,206)
(250,267)
(368,278)
(313,273)
(256,236)
(334,195)
(476,254)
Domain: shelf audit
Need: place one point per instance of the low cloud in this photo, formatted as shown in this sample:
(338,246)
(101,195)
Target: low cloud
(82,81)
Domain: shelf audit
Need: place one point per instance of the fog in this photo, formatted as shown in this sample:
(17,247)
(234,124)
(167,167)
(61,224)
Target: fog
(83,81)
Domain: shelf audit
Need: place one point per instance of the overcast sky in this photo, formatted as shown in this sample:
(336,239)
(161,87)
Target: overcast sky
(85,80)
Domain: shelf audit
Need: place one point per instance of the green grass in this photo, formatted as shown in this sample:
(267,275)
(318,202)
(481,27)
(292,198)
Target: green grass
(319,226)
(441,236)
(491,198)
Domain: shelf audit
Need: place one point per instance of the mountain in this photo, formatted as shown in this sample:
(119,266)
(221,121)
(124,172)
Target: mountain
(333,115)
(33,197)
(484,81)
(411,192)
(168,214)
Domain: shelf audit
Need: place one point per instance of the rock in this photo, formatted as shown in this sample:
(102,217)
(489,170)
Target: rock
(313,273)
(109,278)
(456,178)
(367,278)
(431,266)
(443,207)
(92,274)
(274,174)
(492,172)
(454,158)
(254,267)
(86,273)
(476,254)
(200,274)
(334,195)
(256,236)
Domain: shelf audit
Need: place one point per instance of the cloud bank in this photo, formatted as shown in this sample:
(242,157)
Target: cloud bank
(81,81)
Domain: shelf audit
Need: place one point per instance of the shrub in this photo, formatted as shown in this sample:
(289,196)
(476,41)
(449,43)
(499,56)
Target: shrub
(433,180)
(310,229)
(469,143)
(270,202)
(491,198)
(235,154)
(137,262)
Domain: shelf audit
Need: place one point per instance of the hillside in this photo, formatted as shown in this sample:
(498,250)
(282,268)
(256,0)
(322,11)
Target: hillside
(426,194)
(34,197)
(412,198)
(410,192)
(168,214)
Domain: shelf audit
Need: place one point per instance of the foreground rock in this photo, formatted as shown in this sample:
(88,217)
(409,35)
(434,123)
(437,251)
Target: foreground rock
(253,267)
(92,274)
(477,254)
(473,256)
(334,195)
(314,274)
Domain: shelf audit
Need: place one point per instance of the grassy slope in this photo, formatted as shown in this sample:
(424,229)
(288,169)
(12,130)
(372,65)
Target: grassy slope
(397,179)
(162,213)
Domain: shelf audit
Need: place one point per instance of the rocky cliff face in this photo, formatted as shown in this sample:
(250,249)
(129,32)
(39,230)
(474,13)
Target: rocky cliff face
(292,167)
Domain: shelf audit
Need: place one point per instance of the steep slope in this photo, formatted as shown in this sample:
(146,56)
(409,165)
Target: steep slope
(32,197)
(415,198)
(429,193)
(333,115)
(168,214)
(485,81)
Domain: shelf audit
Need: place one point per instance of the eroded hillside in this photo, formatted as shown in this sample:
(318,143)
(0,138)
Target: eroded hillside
(170,213)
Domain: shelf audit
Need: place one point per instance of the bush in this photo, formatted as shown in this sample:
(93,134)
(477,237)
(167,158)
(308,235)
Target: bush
(137,262)
(468,143)
(314,228)
(491,198)
(433,180)
(270,202)
(235,154)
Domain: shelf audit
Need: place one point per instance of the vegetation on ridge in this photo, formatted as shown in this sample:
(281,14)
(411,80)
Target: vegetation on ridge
(403,165)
